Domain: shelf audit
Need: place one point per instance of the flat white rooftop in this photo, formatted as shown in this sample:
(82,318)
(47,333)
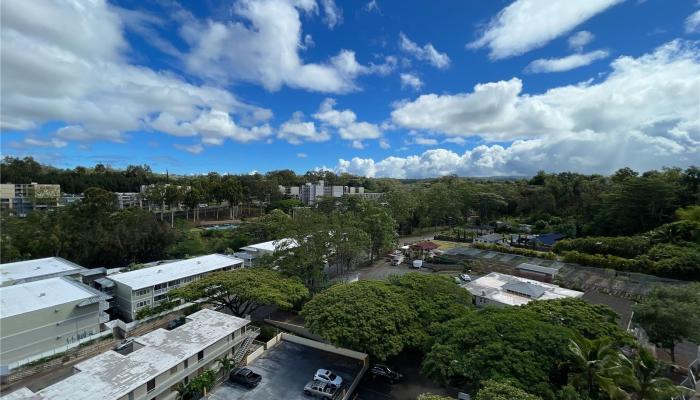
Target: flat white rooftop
(46,293)
(21,271)
(111,375)
(516,291)
(151,276)
(271,246)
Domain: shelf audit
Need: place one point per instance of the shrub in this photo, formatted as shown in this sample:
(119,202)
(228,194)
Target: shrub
(622,246)
(547,255)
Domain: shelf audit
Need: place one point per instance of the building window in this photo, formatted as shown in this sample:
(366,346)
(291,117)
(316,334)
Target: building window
(131,396)
(200,355)
(186,380)
(142,303)
(187,364)
(160,286)
(151,385)
(173,370)
(160,297)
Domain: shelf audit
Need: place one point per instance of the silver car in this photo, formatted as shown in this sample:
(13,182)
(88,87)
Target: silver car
(320,389)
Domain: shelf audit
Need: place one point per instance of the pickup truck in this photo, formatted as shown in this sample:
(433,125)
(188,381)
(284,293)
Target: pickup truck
(245,377)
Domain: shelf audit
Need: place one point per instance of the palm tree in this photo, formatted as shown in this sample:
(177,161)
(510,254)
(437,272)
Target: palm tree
(597,362)
(226,364)
(644,380)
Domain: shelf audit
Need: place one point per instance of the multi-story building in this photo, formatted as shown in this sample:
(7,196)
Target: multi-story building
(23,198)
(290,191)
(47,316)
(41,268)
(158,362)
(128,199)
(7,195)
(502,290)
(309,193)
(250,254)
(147,287)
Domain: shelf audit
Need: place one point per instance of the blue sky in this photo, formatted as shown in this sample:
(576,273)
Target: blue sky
(377,88)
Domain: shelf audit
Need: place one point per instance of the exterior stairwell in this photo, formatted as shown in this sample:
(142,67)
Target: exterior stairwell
(250,335)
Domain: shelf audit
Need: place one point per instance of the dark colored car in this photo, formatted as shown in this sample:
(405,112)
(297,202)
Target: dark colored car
(245,377)
(382,371)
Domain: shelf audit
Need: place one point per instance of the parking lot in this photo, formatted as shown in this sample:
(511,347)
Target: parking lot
(285,370)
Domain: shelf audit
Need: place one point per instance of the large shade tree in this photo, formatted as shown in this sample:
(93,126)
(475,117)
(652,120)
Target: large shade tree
(435,299)
(670,314)
(243,291)
(588,320)
(367,316)
(495,343)
(499,390)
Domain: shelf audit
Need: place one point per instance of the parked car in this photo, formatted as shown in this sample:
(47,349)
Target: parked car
(465,277)
(382,371)
(123,344)
(328,376)
(245,377)
(320,389)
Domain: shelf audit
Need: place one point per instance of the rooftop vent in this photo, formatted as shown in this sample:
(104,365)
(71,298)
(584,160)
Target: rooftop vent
(160,270)
(42,294)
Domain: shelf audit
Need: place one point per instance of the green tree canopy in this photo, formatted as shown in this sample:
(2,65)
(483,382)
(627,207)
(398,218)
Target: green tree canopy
(435,298)
(588,320)
(499,343)
(430,396)
(367,316)
(669,315)
(499,390)
(242,291)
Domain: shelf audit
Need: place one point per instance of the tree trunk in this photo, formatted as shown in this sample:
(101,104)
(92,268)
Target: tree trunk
(673,352)
(172,217)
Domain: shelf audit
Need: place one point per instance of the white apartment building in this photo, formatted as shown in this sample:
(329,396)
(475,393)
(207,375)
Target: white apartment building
(503,290)
(251,253)
(309,193)
(42,317)
(41,268)
(159,361)
(26,197)
(147,287)
(128,199)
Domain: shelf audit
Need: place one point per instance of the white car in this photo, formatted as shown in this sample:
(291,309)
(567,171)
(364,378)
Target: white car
(465,277)
(329,377)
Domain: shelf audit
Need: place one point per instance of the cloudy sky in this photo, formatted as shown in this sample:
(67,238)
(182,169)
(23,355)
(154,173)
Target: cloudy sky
(372,87)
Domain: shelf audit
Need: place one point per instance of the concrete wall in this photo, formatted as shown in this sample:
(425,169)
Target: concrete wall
(29,334)
(325,347)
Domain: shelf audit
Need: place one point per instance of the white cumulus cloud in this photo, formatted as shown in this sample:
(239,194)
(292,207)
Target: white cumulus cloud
(265,48)
(529,24)
(567,63)
(692,23)
(579,39)
(345,122)
(296,130)
(76,72)
(409,80)
(425,53)
(643,114)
